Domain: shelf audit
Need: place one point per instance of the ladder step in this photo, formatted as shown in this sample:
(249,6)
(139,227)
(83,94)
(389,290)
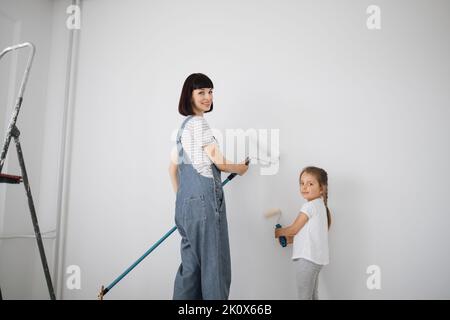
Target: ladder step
(7,178)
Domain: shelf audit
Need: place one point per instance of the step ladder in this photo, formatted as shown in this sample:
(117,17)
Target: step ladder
(13,132)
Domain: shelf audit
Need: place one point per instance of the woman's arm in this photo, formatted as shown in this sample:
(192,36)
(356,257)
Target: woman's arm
(294,228)
(223,164)
(173,168)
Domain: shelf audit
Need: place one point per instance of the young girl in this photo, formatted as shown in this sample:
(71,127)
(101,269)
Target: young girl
(309,232)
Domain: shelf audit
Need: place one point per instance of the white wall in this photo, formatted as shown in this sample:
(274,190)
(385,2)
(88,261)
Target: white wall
(371,107)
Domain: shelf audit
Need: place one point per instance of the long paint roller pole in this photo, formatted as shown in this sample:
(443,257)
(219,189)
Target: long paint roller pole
(104,290)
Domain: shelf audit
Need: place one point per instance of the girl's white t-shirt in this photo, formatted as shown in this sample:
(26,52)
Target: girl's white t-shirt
(311,242)
(196,135)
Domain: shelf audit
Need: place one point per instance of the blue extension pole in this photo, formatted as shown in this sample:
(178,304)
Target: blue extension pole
(104,291)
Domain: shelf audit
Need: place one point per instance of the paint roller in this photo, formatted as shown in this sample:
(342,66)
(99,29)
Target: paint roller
(261,149)
(272,213)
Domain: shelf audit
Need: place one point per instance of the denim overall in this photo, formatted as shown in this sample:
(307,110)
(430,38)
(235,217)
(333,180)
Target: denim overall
(200,216)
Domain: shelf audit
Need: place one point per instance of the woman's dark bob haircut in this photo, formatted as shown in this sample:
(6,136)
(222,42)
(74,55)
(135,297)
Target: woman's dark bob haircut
(194,81)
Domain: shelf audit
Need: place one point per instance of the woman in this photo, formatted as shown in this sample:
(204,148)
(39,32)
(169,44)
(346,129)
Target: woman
(200,214)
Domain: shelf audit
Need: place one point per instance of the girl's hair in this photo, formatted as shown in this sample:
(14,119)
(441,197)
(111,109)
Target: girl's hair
(194,81)
(322,177)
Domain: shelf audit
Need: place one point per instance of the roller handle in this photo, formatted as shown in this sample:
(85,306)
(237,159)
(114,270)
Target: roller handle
(282,239)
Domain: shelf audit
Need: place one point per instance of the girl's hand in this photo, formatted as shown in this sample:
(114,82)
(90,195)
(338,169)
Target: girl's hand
(290,239)
(279,232)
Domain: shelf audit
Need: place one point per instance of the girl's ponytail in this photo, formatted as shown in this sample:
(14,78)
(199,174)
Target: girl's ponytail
(325,200)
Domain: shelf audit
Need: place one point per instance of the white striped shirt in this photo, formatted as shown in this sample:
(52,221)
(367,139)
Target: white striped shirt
(196,135)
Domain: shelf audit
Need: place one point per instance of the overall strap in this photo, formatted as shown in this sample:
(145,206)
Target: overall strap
(180,132)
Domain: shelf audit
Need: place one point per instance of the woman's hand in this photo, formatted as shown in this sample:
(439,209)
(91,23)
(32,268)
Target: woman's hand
(173,168)
(213,152)
(243,167)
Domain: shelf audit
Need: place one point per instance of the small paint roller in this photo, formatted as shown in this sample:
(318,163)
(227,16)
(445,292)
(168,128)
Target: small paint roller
(272,213)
